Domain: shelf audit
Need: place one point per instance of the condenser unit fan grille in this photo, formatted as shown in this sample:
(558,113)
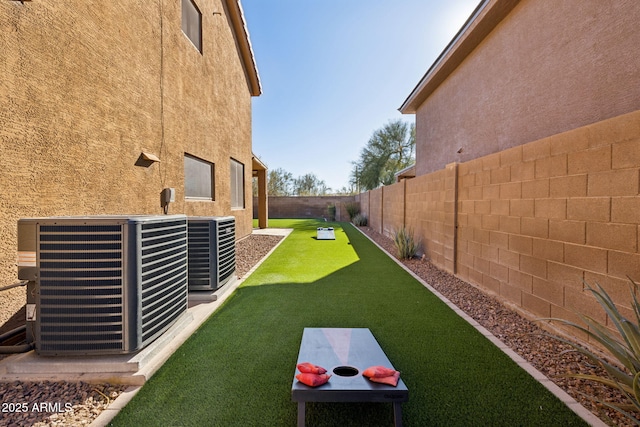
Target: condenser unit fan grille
(81,288)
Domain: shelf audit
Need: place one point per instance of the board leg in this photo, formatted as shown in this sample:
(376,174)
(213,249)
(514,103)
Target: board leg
(397,414)
(301,414)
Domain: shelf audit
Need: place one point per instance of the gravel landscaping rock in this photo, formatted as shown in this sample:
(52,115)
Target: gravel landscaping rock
(54,403)
(252,249)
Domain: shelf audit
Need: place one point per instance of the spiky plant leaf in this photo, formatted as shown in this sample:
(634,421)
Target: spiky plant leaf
(405,243)
(625,350)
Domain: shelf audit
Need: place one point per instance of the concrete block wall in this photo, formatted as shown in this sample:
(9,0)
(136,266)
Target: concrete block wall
(375,212)
(534,222)
(430,214)
(306,207)
(364,200)
(538,220)
(393,212)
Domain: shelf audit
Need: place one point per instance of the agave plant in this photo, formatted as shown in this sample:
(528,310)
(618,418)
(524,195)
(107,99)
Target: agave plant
(625,348)
(405,243)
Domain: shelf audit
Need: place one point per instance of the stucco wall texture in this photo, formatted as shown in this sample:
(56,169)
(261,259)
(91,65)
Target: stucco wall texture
(547,68)
(86,87)
(532,223)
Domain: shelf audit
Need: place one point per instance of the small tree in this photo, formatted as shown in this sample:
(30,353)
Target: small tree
(389,150)
(309,185)
(280,183)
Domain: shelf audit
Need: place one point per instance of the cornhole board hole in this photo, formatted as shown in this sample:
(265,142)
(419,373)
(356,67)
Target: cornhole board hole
(326,233)
(345,353)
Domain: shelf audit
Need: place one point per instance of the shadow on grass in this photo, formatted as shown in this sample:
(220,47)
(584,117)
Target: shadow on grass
(237,369)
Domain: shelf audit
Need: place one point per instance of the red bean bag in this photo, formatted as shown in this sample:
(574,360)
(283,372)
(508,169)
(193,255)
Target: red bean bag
(378,372)
(313,380)
(310,368)
(390,380)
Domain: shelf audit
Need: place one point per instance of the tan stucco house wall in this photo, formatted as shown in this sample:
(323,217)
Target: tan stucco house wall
(88,86)
(522,70)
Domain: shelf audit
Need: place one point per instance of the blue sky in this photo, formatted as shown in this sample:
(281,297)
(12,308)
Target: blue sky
(334,71)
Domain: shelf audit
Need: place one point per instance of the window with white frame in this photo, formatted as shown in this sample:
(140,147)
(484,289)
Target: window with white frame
(199,182)
(237,185)
(192,23)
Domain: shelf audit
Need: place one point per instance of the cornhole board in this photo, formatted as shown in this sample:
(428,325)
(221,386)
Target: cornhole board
(326,233)
(345,351)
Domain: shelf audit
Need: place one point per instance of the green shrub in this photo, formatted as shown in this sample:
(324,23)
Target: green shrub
(353,209)
(405,243)
(625,348)
(359,220)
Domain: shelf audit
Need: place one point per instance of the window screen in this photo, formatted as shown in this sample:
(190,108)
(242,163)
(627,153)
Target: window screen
(198,178)
(192,23)
(237,185)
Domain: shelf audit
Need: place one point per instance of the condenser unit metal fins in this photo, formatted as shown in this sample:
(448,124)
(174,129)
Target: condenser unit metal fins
(212,252)
(104,285)
(163,276)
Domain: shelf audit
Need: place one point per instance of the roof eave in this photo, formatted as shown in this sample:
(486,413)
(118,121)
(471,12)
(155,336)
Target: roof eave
(487,15)
(241,33)
(257,164)
(405,170)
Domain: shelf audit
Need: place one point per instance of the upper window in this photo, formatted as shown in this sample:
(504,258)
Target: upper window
(237,185)
(198,178)
(192,23)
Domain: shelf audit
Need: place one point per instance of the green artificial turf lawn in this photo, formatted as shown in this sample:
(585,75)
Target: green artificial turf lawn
(237,369)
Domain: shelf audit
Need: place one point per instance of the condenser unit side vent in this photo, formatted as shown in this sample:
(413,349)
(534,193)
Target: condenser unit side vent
(163,276)
(212,252)
(226,249)
(200,266)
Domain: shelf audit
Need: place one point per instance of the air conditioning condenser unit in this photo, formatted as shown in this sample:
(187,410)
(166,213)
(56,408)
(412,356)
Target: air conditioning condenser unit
(102,284)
